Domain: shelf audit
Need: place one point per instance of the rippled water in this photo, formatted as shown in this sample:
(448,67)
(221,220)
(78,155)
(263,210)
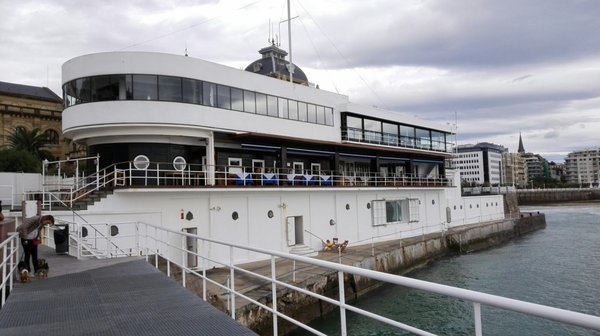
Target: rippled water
(558,266)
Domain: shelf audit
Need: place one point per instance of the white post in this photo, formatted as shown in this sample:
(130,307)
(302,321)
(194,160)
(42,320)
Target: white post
(274,294)
(3,276)
(184,261)
(342,291)
(477,317)
(232,284)
(204,256)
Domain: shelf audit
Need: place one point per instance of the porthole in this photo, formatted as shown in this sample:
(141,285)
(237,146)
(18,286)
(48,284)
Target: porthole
(455,207)
(478,206)
(432,202)
(347,206)
(470,206)
(141,162)
(496,203)
(332,222)
(179,163)
(235,215)
(114,230)
(486,205)
(461,207)
(84,232)
(369,205)
(270,214)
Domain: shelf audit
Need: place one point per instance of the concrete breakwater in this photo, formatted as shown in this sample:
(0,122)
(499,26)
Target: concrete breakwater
(541,196)
(395,257)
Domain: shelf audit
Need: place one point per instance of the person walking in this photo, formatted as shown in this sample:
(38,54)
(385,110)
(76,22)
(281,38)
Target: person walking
(30,233)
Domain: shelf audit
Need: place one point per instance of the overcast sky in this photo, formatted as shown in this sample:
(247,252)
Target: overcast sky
(499,67)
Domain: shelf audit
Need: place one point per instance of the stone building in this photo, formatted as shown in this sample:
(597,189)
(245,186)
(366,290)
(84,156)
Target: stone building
(32,107)
(515,169)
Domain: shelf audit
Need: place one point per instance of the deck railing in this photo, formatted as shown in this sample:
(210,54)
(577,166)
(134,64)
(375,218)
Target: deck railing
(10,258)
(190,175)
(150,240)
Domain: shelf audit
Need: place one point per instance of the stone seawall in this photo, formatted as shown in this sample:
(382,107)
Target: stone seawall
(531,197)
(396,257)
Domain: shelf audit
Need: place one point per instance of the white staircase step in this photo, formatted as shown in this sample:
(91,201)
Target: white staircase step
(303,250)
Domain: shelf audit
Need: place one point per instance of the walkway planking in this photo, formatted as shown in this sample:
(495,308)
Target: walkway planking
(123,296)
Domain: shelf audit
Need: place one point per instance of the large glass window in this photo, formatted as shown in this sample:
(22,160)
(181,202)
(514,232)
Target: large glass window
(237,99)
(390,134)
(178,89)
(102,90)
(209,94)
(169,88)
(192,91)
(407,136)
(293,107)
(372,130)
(249,102)
(145,87)
(283,108)
(224,97)
(261,103)
(329,116)
(321,115)
(272,106)
(438,141)
(312,113)
(302,111)
(423,138)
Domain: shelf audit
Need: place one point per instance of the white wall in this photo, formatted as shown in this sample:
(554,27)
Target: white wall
(13,185)
(212,214)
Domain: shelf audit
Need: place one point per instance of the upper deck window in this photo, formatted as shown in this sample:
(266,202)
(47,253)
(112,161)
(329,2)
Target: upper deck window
(192,91)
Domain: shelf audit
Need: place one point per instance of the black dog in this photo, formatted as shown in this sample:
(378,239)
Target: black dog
(42,269)
(24,275)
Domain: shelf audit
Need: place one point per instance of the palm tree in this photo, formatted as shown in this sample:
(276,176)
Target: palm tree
(30,141)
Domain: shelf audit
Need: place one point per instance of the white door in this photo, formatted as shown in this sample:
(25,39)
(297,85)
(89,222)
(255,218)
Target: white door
(291,231)
(191,245)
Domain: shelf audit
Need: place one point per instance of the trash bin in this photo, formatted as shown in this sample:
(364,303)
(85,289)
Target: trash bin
(61,238)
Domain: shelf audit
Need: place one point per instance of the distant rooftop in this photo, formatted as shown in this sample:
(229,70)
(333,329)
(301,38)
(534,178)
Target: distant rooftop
(27,91)
(481,146)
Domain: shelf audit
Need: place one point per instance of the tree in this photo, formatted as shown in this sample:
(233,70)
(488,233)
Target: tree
(14,160)
(30,141)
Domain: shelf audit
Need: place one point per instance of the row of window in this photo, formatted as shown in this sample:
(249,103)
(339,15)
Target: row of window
(369,130)
(191,91)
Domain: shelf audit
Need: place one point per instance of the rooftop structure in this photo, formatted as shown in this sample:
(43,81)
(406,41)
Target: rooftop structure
(480,163)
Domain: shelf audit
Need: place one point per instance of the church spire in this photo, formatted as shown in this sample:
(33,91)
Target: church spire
(521,147)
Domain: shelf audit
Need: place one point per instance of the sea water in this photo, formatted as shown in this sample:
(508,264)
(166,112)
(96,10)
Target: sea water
(558,266)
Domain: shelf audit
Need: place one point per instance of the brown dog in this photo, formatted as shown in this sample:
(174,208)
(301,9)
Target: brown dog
(42,269)
(24,275)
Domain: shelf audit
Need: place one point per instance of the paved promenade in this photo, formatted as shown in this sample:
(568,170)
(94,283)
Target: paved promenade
(123,296)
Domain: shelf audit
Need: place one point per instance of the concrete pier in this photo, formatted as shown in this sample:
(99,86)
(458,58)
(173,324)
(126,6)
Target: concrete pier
(396,256)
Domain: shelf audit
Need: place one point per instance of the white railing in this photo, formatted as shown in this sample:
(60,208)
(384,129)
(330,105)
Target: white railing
(146,239)
(10,258)
(162,174)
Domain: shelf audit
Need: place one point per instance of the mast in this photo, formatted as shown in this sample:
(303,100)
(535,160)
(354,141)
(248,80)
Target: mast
(289,22)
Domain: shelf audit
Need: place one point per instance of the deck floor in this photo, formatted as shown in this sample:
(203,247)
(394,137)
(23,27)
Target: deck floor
(124,296)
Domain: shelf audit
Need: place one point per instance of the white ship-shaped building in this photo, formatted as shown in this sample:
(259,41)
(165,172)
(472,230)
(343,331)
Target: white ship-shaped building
(249,157)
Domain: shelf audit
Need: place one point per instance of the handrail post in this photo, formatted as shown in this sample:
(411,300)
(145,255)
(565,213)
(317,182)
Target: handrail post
(232,284)
(14,247)
(183,261)
(477,317)
(342,300)
(204,256)
(274,294)
(3,276)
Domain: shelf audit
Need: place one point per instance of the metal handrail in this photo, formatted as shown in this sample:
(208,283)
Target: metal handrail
(9,261)
(158,241)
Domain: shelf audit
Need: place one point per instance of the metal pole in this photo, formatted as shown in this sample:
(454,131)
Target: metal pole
(232,285)
(289,20)
(274,294)
(184,261)
(204,256)
(342,291)
(477,317)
